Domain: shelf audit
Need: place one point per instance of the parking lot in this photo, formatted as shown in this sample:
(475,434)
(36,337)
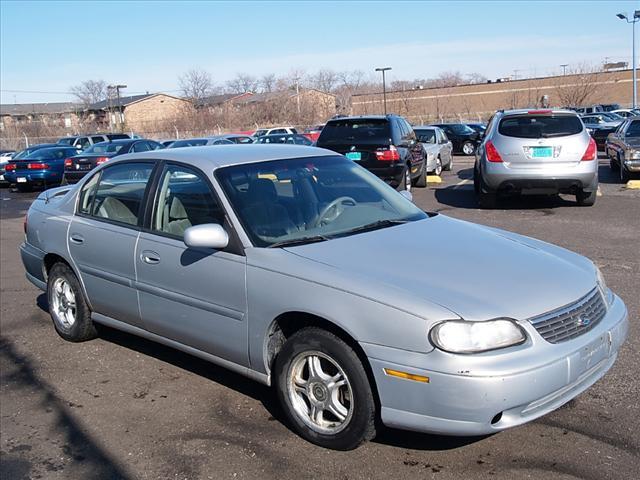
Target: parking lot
(123,407)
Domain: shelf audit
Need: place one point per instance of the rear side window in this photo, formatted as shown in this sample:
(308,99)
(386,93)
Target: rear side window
(633,130)
(540,126)
(350,130)
(118,194)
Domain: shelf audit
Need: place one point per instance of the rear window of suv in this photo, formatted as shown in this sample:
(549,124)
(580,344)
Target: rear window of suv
(354,130)
(540,126)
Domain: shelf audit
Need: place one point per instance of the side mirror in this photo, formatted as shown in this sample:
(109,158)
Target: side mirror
(407,194)
(207,235)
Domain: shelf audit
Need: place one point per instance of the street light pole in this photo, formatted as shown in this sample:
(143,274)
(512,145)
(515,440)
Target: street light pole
(564,68)
(117,89)
(633,21)
(384,86)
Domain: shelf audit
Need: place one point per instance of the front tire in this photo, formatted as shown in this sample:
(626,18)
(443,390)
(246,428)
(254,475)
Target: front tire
(67,306)
(324,390)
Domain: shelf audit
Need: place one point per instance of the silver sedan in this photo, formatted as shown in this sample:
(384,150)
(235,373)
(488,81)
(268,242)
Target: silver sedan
(301,270)
(438,149)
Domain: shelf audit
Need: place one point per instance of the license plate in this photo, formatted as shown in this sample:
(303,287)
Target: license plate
(542,152)
(21,180)
(355,156)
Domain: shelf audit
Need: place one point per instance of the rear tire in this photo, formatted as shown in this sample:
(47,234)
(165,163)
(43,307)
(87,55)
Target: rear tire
(586,199)
(624,173)
(67,306)
(23,188)
(302,392)
(613,164)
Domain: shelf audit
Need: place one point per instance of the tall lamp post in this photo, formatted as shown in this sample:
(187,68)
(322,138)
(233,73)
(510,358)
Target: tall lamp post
(117,88)
(633,21)
(384,86)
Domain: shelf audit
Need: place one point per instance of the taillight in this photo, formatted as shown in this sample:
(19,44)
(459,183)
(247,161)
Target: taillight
(101,160)
(37,166)
(387,154)
(68,162)
(492,152)
(591,152)
(10,167)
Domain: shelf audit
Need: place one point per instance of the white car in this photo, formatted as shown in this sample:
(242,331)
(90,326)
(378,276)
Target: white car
(275,131)
(627,112)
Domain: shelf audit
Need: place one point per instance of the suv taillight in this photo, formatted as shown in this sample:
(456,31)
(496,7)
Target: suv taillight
(101,160)
(492,152)
(387,154)
(68,162)
(591,152)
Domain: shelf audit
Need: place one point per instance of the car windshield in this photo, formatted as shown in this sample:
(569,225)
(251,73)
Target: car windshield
(354,130)
(303,200)
(611,116)
(540,126)
(426,136)
(105,147)
(460,129)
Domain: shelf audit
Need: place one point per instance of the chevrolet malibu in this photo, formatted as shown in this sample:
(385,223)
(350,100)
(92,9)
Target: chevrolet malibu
(300,269)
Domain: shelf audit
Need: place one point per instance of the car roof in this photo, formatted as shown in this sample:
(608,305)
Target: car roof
(212,157)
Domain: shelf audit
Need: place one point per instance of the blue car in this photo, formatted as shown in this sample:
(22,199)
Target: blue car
(44,166)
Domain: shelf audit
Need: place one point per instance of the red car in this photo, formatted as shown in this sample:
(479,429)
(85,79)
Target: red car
(312,133)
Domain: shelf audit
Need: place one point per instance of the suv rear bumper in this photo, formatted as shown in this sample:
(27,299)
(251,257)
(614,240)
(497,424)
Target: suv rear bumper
(556,178)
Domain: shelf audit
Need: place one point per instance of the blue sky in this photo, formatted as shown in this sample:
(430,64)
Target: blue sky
(49,46)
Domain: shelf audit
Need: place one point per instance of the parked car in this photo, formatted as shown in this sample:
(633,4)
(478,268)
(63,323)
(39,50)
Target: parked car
(627,112)
(276,262)
(477,127)
(437,148)
(166,143)
(287,139)
(5,157)
(602,119)
(465,140)
(536,151)
(44,166)
(200,142)
(623,149)
(600,134)
(385,145)
(82,142)
(313,133)
(274,131)
(602,107)
(79,165)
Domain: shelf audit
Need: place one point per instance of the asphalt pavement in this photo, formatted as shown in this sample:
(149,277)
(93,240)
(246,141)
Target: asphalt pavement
(123,407)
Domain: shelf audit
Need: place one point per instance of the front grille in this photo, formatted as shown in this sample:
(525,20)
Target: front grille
(573,320)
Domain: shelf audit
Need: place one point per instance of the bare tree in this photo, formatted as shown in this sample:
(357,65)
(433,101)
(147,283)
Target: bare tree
(476,77)
(324,80)
(196,84)
(448,79)
(268,82)
(577,86)
(242,83)
(90,91)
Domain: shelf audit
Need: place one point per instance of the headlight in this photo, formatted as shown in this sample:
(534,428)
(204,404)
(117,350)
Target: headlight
(634,154)
(606,292)
(460,336)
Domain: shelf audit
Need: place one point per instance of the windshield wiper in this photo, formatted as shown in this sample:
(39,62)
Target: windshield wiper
(375,226)
(300,241)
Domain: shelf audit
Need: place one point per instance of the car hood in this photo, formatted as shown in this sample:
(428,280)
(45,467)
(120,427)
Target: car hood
(474,271)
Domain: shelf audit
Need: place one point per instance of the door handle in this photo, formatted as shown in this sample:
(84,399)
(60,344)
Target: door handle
(150,257)
(77,239)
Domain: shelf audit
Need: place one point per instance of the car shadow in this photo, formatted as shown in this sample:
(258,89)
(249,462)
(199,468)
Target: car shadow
(608,176)
(262,393)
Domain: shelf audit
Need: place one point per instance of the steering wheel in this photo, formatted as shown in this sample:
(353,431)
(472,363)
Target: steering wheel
(333,210)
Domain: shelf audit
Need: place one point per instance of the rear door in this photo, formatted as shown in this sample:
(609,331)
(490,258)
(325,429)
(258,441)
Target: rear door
(540,140)
(195,296)
(103,235)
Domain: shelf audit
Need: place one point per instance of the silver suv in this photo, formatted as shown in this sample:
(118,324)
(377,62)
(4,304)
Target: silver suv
(536,152)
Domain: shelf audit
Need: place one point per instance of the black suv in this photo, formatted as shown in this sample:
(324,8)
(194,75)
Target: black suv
(464,138)
(385,145)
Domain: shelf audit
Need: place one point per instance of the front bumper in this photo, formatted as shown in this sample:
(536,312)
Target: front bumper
(558,178)
(632,165)
(485,393)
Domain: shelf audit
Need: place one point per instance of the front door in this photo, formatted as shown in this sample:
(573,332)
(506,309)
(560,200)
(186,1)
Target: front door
(102,238)
(193,296)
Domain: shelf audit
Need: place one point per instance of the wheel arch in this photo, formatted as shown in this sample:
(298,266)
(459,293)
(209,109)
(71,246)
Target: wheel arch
(50,259)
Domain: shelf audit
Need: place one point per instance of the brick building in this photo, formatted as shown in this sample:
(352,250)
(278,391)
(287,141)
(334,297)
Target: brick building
(479,101)
(57,114)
